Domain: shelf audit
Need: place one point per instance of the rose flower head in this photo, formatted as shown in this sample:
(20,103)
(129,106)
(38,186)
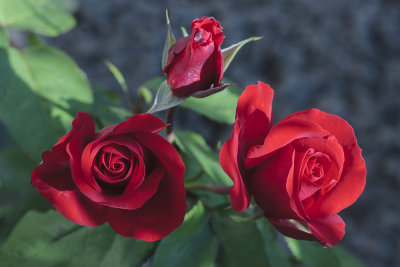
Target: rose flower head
(125,174)
(194,62)
(301,171)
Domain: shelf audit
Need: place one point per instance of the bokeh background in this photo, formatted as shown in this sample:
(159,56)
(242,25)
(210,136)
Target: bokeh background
(341,56)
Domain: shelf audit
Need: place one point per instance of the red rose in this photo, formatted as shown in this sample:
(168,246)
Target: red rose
(301,172)
(195,62)
(125,174)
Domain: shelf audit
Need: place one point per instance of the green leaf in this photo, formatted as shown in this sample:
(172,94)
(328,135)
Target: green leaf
(184,32)
(3,38)
(219,107)
(193,144)
(165,99)
(56,77)
(230,52)
(169,41)
(118,76)
(146,94)
(46,17)
(242,244)
(312,254)
(23,113)
(192,244)
(276,255)
(346,259)
(35,40)
(16,192)
(56,241)
(129,252)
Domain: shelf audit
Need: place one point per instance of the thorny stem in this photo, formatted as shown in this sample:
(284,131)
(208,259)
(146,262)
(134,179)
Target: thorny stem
(169,120)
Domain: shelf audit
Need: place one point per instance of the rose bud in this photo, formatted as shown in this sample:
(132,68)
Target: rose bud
(125,174)
(301,172)
(195,63)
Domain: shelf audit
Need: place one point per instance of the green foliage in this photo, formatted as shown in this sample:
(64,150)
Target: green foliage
(192,244)
(276,255)
(241,242)
(165,99)
(46,17)
(48,239)
(46,84)
(219,107)
(169,41)
(193,144)
(314,255)
(118,76)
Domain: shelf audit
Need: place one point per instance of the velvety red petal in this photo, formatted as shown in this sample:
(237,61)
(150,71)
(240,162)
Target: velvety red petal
(283,133)
(290,230)
(144,122)
(158,217)
(175,50)
(52,178)
(255,97)
(70,203)
(163,212)
(253,118)
(352,181)
(269,182)
(228,159)
(329,230)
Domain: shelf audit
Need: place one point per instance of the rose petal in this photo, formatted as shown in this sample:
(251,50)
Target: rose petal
(175,50)
(329,230)
(52,178)
(157,218)
(352,181)
(228,159)
(166,209)
(283,133)
(290,230)
(250,128)
(270,182)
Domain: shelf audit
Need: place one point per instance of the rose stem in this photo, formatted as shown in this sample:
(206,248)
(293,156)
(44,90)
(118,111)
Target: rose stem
(169,120)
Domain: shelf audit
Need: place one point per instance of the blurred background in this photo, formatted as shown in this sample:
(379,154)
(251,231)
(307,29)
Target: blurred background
(340,56)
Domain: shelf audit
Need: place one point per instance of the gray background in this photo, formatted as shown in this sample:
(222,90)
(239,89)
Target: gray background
(341,56)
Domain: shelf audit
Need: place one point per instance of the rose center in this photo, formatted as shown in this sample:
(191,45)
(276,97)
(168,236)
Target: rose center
(113,163)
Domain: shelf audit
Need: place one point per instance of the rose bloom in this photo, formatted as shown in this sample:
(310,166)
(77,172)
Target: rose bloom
(125,174)
(301,171)
(195,62)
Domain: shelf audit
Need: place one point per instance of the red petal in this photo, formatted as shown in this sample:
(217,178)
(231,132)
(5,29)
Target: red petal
(272,185)
(175,50)
(290,230)
(52,178)
(144,122)
(352,181)
(283,133)
(329,230)
(253,117)
(166,209)
(228,159)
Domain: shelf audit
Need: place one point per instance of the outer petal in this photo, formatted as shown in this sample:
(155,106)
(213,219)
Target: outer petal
(329,230)
(290,230)
(282,134)
(228,159)
(144,122)
(253,118)
(269,184)
(165,211)
(352,182)
(52,178)
(175,50)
